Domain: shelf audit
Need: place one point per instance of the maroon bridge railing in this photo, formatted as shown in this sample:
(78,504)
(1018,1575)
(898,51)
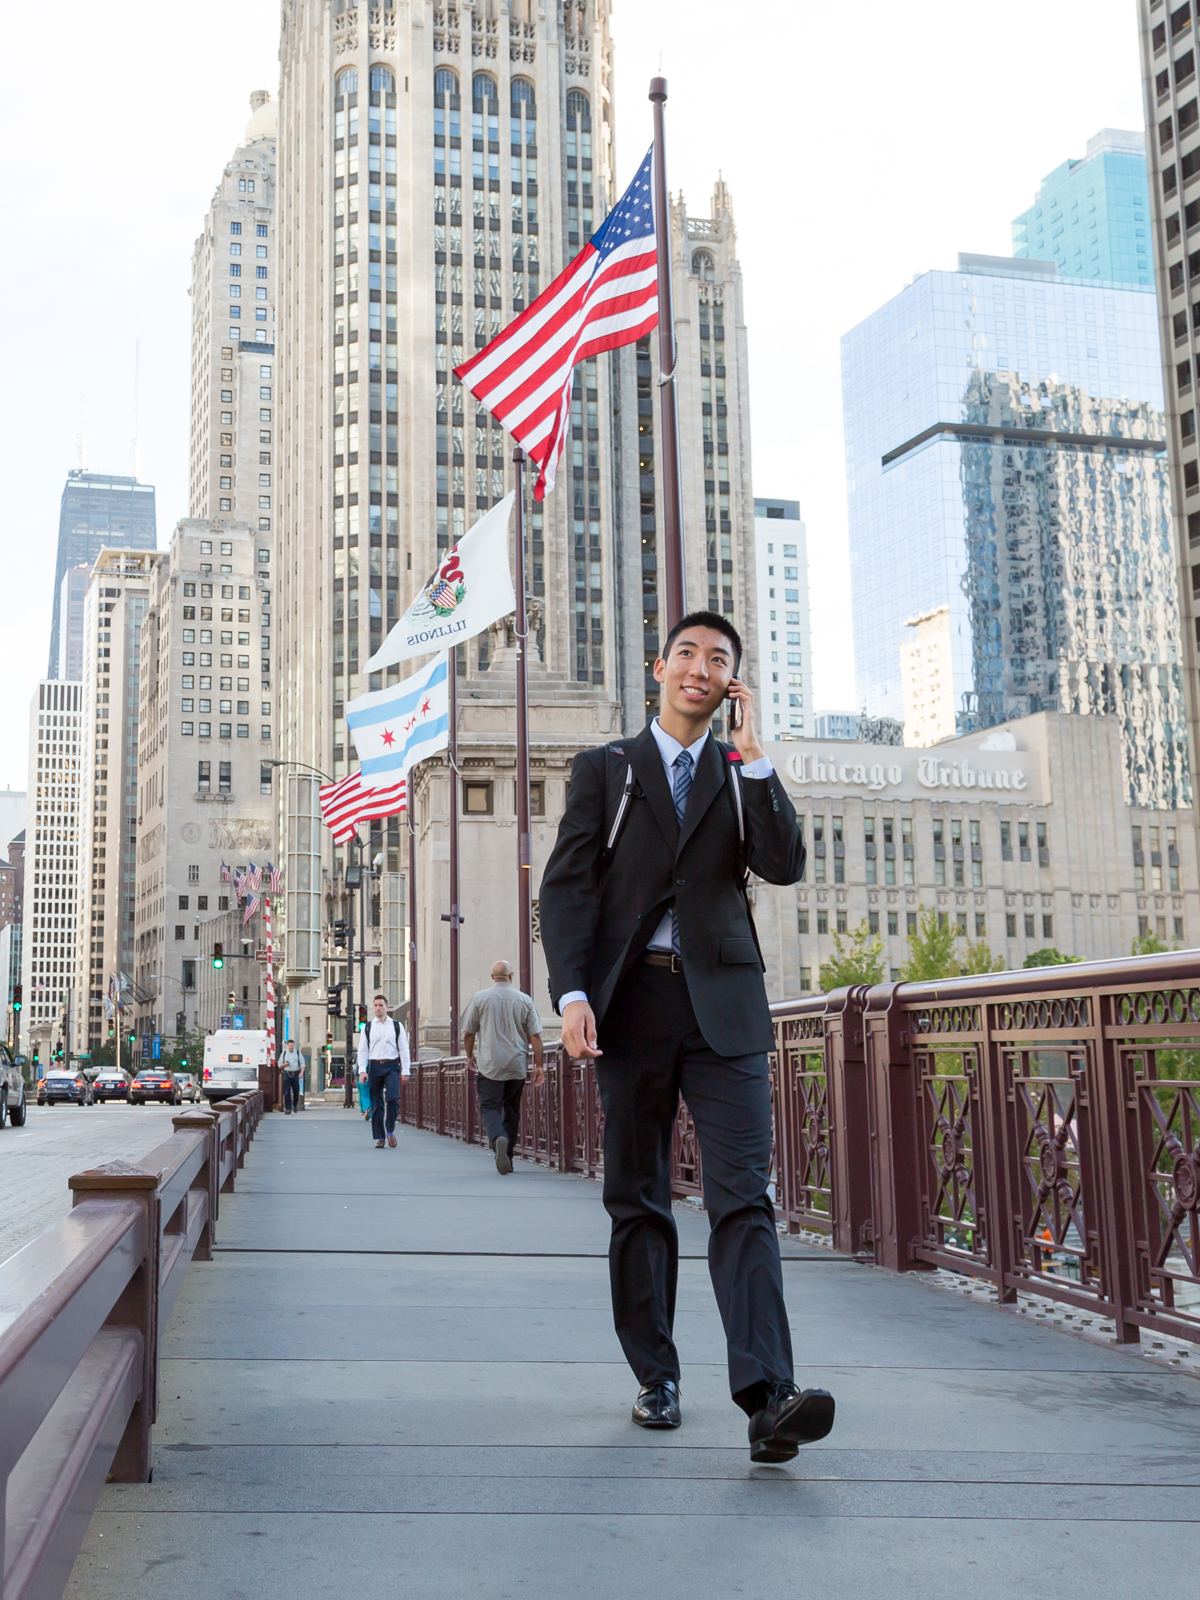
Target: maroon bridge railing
(82,1311)
(1037,1129)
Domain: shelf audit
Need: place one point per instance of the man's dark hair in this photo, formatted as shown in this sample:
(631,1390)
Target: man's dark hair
(707,619)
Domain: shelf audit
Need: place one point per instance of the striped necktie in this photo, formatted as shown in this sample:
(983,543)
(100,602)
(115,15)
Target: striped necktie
(681,788)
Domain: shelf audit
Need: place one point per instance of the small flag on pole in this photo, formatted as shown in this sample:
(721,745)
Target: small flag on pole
(606,298)
(226,875)
(253,902)
(275,876)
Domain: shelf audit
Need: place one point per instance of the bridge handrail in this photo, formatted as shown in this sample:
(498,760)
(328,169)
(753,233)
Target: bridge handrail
(82,1311)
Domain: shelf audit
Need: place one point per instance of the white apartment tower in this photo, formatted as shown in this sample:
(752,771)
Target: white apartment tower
(233,336)
(927,678)
(205,793)
(58,772)
(114,608)
(783,648)
(438,166)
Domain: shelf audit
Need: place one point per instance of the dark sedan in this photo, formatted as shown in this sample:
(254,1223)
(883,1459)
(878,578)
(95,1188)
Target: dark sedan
(71,1087)
(111,1083)
(155,1084)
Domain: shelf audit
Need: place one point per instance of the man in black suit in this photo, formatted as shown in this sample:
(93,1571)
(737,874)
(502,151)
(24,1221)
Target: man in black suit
(655,968)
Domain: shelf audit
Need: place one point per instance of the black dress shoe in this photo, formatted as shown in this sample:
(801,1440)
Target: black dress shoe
(657,1406)
(791,1417)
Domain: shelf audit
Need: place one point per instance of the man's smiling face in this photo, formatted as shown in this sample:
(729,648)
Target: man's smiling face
(697,672)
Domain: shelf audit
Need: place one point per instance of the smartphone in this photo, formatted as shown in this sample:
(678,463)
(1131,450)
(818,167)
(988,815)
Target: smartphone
(735,709)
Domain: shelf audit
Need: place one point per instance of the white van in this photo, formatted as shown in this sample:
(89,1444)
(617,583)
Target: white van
(232,1057)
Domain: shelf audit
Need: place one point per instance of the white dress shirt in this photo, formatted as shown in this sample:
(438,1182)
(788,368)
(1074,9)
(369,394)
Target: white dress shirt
(377,1042)
(669,749)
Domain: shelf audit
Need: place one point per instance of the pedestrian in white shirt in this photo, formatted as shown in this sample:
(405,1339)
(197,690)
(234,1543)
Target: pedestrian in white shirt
(292,1063)
(383,1052)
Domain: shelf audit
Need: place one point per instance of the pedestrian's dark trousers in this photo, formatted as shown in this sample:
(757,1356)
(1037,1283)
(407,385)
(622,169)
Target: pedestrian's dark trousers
(383,1080)
(500,1107)
(652,1052)
(291,1091)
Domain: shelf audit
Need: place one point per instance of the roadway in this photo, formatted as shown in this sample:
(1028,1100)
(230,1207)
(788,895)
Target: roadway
(399,1375)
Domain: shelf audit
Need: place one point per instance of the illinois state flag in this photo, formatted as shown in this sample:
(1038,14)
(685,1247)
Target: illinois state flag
(469,591)
(395,728)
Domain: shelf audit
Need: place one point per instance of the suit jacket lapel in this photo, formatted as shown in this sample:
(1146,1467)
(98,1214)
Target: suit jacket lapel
(706,786)
(647,766)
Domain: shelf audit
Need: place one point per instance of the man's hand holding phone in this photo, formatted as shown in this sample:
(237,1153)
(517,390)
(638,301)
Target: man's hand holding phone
(741,721)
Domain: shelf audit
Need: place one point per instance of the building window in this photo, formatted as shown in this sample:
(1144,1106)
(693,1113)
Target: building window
(976,856)
(956,851)
(822,922)
(347,82)
(203,776)
(872,922)
(224,776)
(381,79)
(908,849)
(819,847)
(537,798)
(183,902)
(889,850)
(179,930)
(189,974)
(939,851)
(1023,841)
(185,729)
(805,980)
(193,873)
(264,778)
(1043,846)
(1010,924)
(477,799)
(869,848)
(910,923)
(893,924)
(1029,933)
(980,925)
(1006,848)
(839,851)
(841,922)
(802,921)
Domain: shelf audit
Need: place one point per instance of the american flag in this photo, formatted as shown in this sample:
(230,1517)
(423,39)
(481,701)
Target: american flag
(606,298)
(239,882)
(226,875)
(254,878)
(253,902)
(275,878)
(347,803)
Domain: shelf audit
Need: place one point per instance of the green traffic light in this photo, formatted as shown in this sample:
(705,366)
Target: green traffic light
(218,963)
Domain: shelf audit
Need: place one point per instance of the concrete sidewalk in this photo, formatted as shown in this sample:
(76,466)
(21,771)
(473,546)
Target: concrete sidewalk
(399,1376)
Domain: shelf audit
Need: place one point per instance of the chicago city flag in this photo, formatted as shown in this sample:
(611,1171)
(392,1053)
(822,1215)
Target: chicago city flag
(392,730)
(469,591)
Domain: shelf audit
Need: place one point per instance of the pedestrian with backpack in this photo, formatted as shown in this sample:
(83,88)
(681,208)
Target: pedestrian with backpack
(383,1052)
(656,970)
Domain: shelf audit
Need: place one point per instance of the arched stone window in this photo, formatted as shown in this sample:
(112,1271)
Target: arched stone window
(702,266)
(347,81)
(578,106)
(381,78)
(445,81)
(483,87)
(522,90)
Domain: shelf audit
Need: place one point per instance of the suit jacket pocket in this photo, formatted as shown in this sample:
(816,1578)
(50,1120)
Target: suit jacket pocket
(739,952)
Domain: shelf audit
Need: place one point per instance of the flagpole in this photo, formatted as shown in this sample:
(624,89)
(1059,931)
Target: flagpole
(675,593)
(453,918)
(524,850)
(414,1035)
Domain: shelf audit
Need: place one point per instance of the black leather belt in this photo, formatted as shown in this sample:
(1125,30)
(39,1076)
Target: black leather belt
(664,958)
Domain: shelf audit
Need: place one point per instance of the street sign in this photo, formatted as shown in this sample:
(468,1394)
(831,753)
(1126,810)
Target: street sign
(157,1047)
(371,955)
(276,957)
(239,1022)
(145,1047)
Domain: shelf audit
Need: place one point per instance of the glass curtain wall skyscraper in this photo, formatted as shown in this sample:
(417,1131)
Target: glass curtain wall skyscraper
(98,512)
(1092,217)
(1005,459)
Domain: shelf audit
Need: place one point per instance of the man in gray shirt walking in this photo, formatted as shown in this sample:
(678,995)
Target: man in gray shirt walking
(505,1023)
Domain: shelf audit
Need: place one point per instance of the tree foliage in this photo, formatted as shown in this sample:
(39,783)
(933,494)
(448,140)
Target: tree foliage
(1148,944)
(931,952)
(1048,956)
(979,958)
(858,958)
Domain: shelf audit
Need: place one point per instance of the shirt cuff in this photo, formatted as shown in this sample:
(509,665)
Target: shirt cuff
(762,768)
(573,994)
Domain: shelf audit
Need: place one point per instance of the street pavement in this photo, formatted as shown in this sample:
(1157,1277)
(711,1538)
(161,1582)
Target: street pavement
(37,1160)
(399,1376)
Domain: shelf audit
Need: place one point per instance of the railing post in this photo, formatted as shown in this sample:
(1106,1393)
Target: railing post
(208,1179)
(892,1107)
(849,1123)
(1115,1108)
(137,1306)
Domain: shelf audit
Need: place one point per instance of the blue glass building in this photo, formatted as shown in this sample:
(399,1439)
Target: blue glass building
(98,512)
(1004,458)
(1092,217)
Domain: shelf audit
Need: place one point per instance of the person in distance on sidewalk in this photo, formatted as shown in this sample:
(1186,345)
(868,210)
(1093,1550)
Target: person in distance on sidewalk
(656,971)
(506,1024)
(292,1063)
(383,1051)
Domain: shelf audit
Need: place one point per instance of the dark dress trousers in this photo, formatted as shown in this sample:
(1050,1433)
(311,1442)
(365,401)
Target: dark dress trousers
(704,1032)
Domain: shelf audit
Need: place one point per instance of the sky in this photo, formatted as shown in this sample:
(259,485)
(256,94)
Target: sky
(862,144)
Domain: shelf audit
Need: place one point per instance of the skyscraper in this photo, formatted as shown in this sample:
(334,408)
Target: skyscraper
(437,168)
(1092,217)
(97,511)
(56,789)
(1004,441)
(784,643)
(233,336)
(115,605)
(1169,46)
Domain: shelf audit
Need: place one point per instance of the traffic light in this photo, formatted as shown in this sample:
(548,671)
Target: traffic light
(218,957)
(333,1000)
(362,1016)
(232,1000)
(340,933)
(132,1038)
(328,1038)
(16,1000)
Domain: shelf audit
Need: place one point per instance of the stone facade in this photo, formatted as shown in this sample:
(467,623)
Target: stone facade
(58,769)
(115,606)
(206,795)
(1023,836)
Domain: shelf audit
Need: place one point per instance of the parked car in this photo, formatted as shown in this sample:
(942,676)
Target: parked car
(189,1087)
(12,1090)
(155,1083)
(66,1084)
(111,1083)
